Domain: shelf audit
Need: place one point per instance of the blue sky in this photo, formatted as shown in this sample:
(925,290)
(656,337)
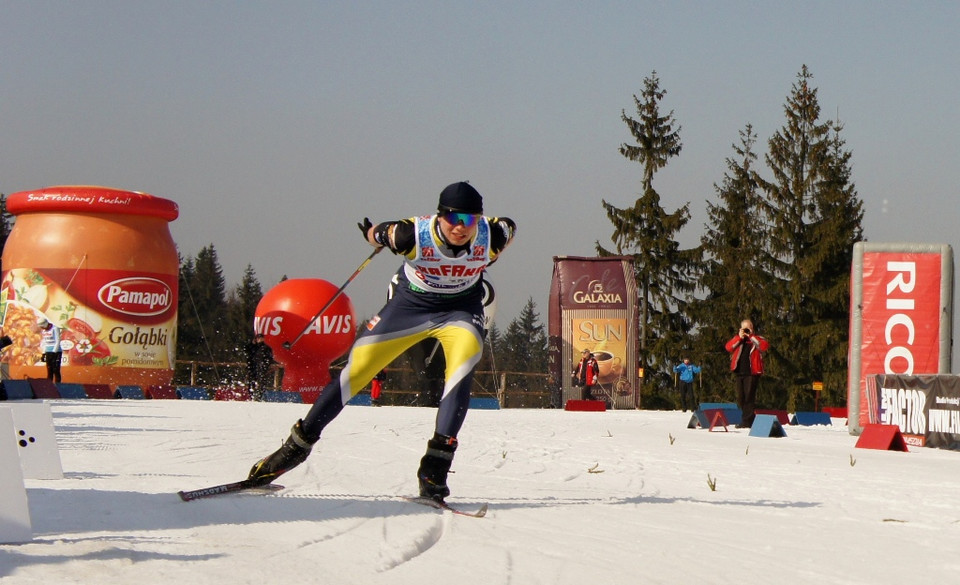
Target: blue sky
(276,126)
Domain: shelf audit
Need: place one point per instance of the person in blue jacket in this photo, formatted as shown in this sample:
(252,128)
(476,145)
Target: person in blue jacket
(686,371)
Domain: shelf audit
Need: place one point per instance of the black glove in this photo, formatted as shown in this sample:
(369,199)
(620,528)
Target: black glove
(365,226)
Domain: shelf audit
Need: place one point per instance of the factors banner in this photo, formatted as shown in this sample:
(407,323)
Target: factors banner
(926,408)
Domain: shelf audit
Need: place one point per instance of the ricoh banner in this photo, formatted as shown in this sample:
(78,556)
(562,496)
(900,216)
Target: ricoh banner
(926,408)
(901,315)
(593,306)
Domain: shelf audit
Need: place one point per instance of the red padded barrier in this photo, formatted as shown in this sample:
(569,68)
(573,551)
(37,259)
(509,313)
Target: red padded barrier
(835,411)
(883,437)
(586,405)
(102,391)
(43,388)
(162,392)
(717,418)
(783,417)
(240,394)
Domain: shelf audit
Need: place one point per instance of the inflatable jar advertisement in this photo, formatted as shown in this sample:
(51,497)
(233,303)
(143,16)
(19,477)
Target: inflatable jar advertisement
(100,264)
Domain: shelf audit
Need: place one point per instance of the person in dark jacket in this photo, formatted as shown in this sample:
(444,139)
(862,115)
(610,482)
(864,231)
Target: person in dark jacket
(259,363)
(586,374)
(746,350)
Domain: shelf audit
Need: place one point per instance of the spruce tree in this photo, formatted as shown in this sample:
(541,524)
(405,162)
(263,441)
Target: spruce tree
(243,306)
(493,350)
(732,271)
(189,338)
(525,342)
(204,336)
(647,233)
(6,221)
(810,246)
(837,228)
(209,292)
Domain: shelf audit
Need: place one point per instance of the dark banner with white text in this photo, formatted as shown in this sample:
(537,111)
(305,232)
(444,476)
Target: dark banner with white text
(926,408)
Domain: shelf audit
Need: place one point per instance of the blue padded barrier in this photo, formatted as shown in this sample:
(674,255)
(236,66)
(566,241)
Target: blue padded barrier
(701,418)
(716,405)
(767,425)
(281,396)
(730,410)
(133,392)
(71,391)
(192,393)
(485,403)
(809,419)
(362,399)
(18,390)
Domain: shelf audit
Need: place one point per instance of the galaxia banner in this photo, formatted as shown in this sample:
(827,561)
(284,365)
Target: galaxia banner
(593,306)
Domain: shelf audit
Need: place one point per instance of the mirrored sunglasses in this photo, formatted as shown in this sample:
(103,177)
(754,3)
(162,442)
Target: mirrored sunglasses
(467,219)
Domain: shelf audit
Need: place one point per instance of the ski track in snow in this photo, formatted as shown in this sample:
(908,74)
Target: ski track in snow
(401,545)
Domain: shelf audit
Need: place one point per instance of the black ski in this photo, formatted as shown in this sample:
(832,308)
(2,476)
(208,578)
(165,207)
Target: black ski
(246,486)
(423,501)
(228,488)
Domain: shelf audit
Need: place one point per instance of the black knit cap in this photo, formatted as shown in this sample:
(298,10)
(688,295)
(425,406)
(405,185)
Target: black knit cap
(461,197)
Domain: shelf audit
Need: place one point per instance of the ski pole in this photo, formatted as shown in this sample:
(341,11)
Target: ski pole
(336,295)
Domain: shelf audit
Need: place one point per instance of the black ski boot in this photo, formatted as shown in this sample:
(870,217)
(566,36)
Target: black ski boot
(293,452)
(434,467)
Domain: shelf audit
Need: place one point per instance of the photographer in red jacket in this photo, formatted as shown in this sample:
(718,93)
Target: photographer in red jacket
(746,362)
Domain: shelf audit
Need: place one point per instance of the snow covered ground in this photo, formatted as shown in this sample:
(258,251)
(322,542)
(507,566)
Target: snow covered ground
(620,497)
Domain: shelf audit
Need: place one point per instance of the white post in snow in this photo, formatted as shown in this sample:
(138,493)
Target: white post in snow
(15,524)
(36,439)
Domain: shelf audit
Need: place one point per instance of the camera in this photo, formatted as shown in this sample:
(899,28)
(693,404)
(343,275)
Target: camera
(747,331)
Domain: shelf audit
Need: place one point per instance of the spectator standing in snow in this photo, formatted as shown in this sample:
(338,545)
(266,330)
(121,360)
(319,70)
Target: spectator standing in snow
(687,395)
(50,346)
(746,350)
(376,387)
(585,374)
(259,363)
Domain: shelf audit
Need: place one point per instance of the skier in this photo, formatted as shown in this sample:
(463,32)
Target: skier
(439,296)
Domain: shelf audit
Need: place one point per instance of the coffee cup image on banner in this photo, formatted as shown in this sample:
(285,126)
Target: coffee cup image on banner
(609,366)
